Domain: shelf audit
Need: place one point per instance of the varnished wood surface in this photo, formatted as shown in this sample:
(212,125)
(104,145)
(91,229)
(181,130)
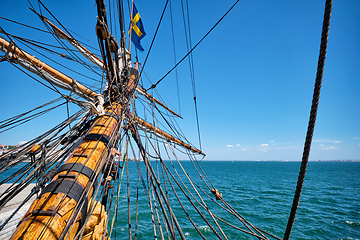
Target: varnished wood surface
(33,226)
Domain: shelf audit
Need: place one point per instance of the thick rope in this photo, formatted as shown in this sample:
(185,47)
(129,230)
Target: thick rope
(314,107)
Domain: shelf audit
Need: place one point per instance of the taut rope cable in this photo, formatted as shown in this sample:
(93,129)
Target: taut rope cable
(197,44)
(7,121)
(62,65)
(191,61)
(57,38)
(188,197)
(313,113)
(24,25)
(152,42)
(182,206)
(174,47)
(128,196)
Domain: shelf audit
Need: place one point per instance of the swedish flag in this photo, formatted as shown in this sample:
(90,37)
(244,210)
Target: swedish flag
(136,28)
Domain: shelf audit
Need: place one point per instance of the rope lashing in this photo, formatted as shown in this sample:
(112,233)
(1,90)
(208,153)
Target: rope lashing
(8,55)
(313,113)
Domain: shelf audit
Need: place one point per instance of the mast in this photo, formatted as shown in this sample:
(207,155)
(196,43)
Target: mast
(63,206)
(65,200)
(96,60)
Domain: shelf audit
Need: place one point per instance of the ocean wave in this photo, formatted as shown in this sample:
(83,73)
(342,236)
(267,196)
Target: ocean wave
(353,223)
(205,229)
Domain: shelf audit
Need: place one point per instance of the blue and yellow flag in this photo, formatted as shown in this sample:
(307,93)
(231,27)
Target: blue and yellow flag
(136,28)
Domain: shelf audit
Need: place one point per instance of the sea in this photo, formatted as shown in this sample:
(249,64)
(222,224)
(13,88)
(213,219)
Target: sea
(261,191)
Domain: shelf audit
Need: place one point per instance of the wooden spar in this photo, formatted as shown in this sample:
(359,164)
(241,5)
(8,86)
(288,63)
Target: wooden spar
(49,213)
(165,135)
(152,99)
(96,60)
(18,53)
(84,51)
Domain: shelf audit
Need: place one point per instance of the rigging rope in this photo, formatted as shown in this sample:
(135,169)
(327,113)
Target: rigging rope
(137,205)
(62,65)
(32,64)
(71,52)
(119,187)
(157,186)
(191,61)
(152,41)
(64,56)
(192,203)
(128,197)
(313,113)
(38,29)
(173,40)
(192,49)
(53,156)
(9,121)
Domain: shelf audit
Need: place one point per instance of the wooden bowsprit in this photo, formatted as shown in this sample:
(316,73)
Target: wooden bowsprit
(65,199)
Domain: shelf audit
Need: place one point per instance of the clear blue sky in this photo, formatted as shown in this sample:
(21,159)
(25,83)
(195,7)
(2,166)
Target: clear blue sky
(254,74)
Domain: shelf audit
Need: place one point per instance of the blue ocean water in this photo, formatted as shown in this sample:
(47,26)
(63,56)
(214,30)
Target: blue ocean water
(262,192)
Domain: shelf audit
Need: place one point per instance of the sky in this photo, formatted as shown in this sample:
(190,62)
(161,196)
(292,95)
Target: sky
(254,74)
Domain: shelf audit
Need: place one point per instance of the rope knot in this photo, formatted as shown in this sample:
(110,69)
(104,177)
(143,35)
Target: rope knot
(218,195)
(9,55)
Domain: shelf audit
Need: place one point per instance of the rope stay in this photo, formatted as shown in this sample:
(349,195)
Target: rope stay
(312,118)
(192,49)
